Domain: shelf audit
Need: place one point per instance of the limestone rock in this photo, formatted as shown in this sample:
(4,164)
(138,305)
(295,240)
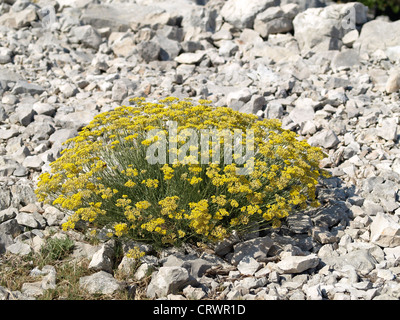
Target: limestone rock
(255,248)
(100,283)
(242,14)
(297,264)
(385,231)
(168,280)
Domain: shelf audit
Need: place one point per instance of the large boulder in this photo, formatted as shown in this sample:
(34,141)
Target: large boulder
(168,280)
(378,34)
(385,231)
(241,14)
(324,28)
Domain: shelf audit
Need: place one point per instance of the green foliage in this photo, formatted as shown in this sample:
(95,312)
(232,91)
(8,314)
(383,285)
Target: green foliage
(56,249)
(390,7)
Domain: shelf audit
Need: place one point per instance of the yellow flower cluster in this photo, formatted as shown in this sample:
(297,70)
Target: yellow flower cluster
(105,178)
(135,253)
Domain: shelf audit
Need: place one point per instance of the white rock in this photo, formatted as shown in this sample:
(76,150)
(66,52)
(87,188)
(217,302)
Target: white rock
(388,128)
(190,57)
(325,138)
(393,82)
(323,28)
(168,280)
(256,248)
(302,112)
(248,266)
(241,14)
(313,292)
(33,289)
(100,283)
(193,293)
(297,264)
(19,248)
(385,231)
(88,36)
(350,38)
(271,21)
(27,219)
(103,258)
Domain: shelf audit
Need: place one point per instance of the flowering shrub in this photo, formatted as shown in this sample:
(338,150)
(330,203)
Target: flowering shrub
(134,170)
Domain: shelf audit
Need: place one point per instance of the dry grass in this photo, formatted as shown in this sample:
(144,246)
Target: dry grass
(15,271)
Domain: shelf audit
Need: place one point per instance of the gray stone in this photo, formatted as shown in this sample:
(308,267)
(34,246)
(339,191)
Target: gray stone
(49,280)
(5,55)
(225,246)
(346,59)
(195,266)
(169,48)
(87,35)
(6,134)
(255,248)
(119,90)
(149,50)
(7,214)
(297,264)
(299,223)
(68,90)
(33,289)
(27,219)
(325,138)
(323,28)
(62,135)
(103,258)
(190,57)
(387,129)
(19,248)
(242,14)
(273,110)
(141,272)
(122,16)
(227,48)
(100,283)
(302,113)
(275,20)
(393,82)
(361,260)
(378,34)
(330,215)
(53,216)
(125,47)
(33,162)
(350,37)
(248,266)
(385,231)
(19,19)
(84,250)
(193,293)
(168,280)
(23,86)
(24,114)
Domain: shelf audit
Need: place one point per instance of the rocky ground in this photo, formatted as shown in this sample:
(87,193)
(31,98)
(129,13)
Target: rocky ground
(330,73)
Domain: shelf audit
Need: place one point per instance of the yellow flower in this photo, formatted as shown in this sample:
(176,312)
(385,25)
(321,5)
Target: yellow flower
(168,172)
(234,203)
(195,180)
(143,205)
(135,253)
(90,172)
(151,183)
(130,184)
(120,229)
